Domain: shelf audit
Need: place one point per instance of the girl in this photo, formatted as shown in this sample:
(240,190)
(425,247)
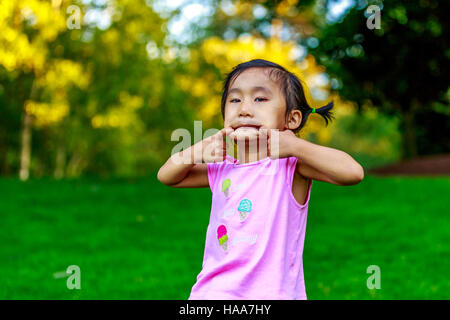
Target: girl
(255,236)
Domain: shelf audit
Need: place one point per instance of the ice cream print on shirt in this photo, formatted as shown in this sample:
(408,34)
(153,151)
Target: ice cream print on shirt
(244,208)
(226,187)
(222,236)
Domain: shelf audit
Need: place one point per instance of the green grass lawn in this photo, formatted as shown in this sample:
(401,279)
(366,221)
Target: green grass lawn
(142,240)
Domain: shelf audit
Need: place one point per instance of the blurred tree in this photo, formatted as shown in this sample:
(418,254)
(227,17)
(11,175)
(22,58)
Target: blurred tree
(125,58)
(216,57)
(242,30)
(104,97)
(42,80)
(401,68)
(362,61)
(295,19)
(97,93)
(239,31)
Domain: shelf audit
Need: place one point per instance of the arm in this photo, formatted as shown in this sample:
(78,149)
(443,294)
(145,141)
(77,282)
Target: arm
(183,175)
(325,164)
(181,171)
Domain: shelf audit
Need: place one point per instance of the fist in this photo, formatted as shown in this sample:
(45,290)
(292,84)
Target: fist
(245,133)
(213,148)
(271,143)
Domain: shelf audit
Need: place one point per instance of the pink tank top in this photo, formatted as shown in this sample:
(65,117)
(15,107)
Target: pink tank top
(254,241)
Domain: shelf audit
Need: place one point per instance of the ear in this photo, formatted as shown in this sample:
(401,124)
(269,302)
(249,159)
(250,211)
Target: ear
(294,119)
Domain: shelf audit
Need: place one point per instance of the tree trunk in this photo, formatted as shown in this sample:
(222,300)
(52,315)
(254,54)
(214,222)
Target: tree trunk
(27,124)
(25,152)
(60,161)
(74,166)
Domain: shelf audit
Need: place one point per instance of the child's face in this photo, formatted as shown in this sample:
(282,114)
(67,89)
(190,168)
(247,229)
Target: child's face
(249,108)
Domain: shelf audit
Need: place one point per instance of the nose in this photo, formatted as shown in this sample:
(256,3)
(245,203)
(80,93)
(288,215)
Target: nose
(245,110)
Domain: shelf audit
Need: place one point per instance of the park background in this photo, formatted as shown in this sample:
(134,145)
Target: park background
(91,90)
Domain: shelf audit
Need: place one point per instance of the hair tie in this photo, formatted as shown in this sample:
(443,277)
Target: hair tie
(313,110)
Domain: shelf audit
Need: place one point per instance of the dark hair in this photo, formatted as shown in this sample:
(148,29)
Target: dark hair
(289,84)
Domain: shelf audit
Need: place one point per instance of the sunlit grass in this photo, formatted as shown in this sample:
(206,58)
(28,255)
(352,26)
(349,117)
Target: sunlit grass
(142,240)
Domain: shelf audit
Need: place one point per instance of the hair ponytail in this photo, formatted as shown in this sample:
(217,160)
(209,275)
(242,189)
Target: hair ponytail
(324,111)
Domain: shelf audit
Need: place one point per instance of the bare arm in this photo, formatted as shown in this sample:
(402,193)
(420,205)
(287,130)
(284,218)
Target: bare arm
(183,175)
(181,171)
(326,164)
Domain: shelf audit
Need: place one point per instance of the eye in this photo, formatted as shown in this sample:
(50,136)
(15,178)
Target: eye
(263,99)
(233,99)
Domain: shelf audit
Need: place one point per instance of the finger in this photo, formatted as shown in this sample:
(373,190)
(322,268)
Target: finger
(228,130)
(250,137)
(229,136)
(265,130)
(224,135)
(274,144)
(212,140)
(263,133)
(225,131)
(221,133)
(254,135)
(220,143)
(263,142)
(223,154)
(219,153)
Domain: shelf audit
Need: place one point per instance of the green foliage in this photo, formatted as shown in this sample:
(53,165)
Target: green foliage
(116,121)
(399,68)
(372,138)
(105,98)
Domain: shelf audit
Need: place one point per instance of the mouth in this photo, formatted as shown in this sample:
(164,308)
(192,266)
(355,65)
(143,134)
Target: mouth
(247,126)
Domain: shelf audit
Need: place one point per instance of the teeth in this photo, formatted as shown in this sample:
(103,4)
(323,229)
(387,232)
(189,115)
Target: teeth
(247,128)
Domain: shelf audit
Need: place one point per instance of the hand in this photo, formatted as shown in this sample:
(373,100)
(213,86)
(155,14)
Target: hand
(279,143)
(211,149)
(244,135)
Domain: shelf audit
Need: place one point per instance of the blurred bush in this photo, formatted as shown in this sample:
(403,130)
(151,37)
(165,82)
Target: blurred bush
(97,87)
